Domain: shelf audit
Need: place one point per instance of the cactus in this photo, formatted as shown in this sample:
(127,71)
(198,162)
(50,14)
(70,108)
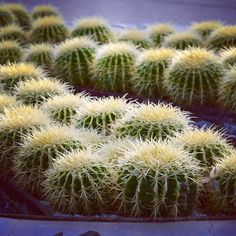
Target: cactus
(77,183)
(50,29)
(44,11)
(10,51)
(228,57)
(182,40)
(6,17)
(135,37)
(151,65)
(93,27)
(193,77)
(149,121)
(62,109)
(158,32)
(74,59)
(223,37)
(156,179)
(37,91)
(115,66)
(100,114)
(15,122)
(13,32)
(13,73)
(6,101)
(38,152)
(21,15)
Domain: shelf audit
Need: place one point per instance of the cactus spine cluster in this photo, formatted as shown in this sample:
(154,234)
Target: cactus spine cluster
(6,101)
(44,11)
(74,60)
(228,57)
(6,17)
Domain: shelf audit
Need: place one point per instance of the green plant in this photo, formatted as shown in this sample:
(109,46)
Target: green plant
(73,60)
(50,29)
(115,66)
(93,27)
(156,179)
(6,17)
(150,68)
(6,101)
(193,77)
(10,51)
(228,57)
(77,183)
(44,11)
(147,121)
(158,32)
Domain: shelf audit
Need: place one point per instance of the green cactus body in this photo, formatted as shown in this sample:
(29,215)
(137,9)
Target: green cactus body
(13,73)
(193,77)
(10,51)
(13,32)
(74,60)
(100,114)
(78,183)
(37,153)
(149,121)
(114,67)
(37,91)
(6,17)
(228,57)
(159,32)
(6,101)
(151,65)
(16,122)
(44,11)
(93,27)
(50,29)
(223,37)
(156,179)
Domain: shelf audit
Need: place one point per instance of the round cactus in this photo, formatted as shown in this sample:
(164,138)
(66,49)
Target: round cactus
(73,60)
(37,153)
(44,11)
(223,37)
(228,57)
(193,77)
(94,27)
(6,101)
(13,73)
(37,91)
(151,65)
(101,113)
(156,179)
(50,29)
(41,55)
(148,121)
(10,51)
(15,122)
(115,66)
(77,183)
(13,32)
(63,108)
(205,28)
(6,17)
(158,32)
(182,40)
(135,37)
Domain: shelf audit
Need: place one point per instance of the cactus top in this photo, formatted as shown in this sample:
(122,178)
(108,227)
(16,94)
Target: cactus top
(230,75)
(227,164)
(44,8)
(133,34)
(181,36)
(161,29)
(206,25)
(4,9)
(228,53)
(38,48)
(225,31)
(8,44)
(91,22)
(7,100)
(10,29)
(16,7)
(48,21)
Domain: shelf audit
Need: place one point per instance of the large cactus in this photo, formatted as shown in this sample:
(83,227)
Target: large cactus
(6,17)
(44,10)
(228,57)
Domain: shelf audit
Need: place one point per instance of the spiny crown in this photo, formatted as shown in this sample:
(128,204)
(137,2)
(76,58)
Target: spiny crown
(7,100)
(9,29)
(206,25)
(230,75)
(227,164)
(44,8)
(16,7)
(48,21)
(160,29)
(180,36)
(228,53)
(133,34)
(225,31)
(4,8)
(8,44)
(91,22)
(39,48)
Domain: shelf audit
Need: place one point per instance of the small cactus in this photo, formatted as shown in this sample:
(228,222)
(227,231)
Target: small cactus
(149,121)
(228,57)
(10,51)
(182,40)
(6,17)
(135,37)
(115,66)
(78,183)
(13,32)
(156,179)
(6,101)
(151,65)
(50,29)
(158,32)
(223,37)
(15,122)
(44,11)
(37,153)
(93,27)
(37,91)
(193,77)
(13,73)
(73,61)
(101,113)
